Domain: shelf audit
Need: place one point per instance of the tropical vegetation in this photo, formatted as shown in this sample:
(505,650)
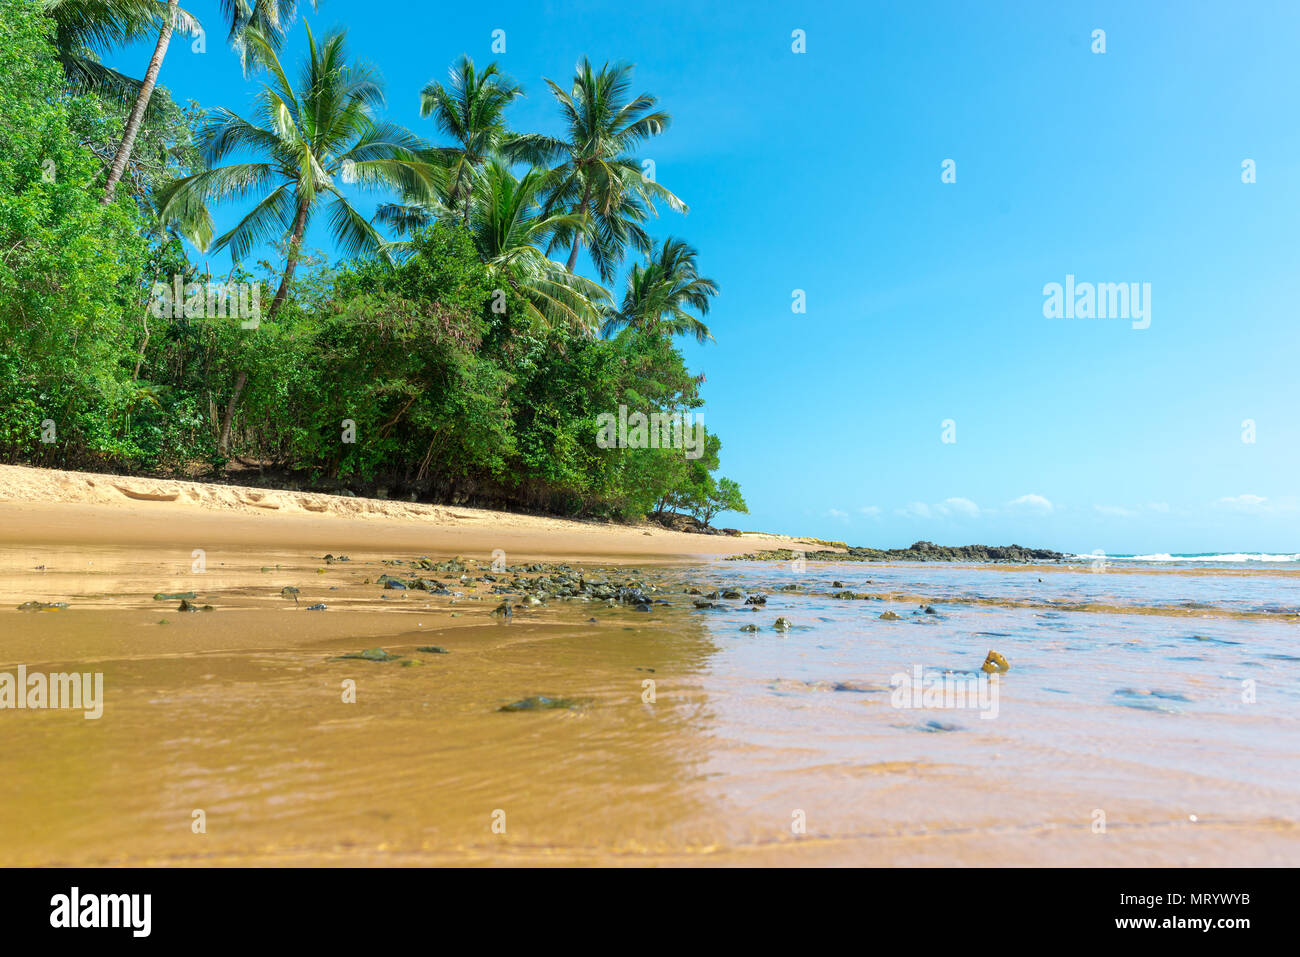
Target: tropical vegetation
(450,350)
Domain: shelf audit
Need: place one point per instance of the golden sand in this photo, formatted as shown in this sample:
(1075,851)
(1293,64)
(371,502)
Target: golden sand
(240,718)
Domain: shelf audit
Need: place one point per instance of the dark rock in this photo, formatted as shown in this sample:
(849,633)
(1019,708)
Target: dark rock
(543,703)
(42,605)
(917,552)
(370,654)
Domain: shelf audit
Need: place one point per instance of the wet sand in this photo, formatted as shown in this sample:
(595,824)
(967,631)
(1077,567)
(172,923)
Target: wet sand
(239,713)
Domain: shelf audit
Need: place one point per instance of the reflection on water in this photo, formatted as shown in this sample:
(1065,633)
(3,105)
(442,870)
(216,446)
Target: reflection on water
(701,742)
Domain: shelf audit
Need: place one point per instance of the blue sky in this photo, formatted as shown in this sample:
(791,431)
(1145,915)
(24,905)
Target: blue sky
(821,171)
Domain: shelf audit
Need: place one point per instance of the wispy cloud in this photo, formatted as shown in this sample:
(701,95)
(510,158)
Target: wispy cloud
(954,507)
(1033,503)
(1131,511)
(1246,503)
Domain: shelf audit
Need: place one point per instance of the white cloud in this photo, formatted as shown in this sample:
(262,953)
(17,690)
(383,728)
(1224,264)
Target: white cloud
(871,511)
(1115,510)
(836,513)
(1248,503)
(954,507)
(961,506)
(1035,503)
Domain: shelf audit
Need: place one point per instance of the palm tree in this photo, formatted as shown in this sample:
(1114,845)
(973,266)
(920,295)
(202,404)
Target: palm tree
(270,18)
(472,112)
(310,137)
(267,16)
(596,174)
(511,229)
(170,19)
(660,294)
(84,30)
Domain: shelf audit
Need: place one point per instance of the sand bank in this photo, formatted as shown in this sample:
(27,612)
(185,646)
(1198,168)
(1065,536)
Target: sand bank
(50,506)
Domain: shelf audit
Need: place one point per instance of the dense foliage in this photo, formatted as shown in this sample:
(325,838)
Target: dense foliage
(453,360)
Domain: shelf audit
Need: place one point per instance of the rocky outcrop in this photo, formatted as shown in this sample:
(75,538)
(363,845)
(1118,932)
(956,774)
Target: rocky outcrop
(918,552)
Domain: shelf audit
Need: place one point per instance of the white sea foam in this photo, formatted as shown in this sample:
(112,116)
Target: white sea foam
(1215,558)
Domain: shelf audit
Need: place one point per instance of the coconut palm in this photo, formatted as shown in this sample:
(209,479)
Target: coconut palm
(660,294)
(85,30)
(171,18)
(310,138)
(511,229)
(269,17)
(596,173)
(470,110)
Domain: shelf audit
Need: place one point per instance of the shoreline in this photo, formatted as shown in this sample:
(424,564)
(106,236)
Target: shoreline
(52,506)
(244,711)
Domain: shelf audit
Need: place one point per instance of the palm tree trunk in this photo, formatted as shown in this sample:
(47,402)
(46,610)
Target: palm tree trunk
(141,103)
(291,264)
(228,419)
(577,240)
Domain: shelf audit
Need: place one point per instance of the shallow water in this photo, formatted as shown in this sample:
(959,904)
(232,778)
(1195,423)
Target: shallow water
(1175,697)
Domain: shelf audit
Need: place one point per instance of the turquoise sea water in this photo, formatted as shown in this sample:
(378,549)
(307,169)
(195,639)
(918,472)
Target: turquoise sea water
(1159,704)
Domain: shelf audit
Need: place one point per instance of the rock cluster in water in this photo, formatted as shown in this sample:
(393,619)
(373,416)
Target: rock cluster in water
(917,552)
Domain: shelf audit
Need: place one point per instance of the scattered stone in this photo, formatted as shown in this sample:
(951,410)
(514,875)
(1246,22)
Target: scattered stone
(749,627)
(543,703)
(42,605)
(782,624)
(889,616)
(934,726)
(178,596)
(433,650)
(370,654)
(994,664)
(319,607)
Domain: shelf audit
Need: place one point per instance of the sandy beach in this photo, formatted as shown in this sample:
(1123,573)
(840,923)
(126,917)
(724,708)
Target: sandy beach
(53,506)
(689,742)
